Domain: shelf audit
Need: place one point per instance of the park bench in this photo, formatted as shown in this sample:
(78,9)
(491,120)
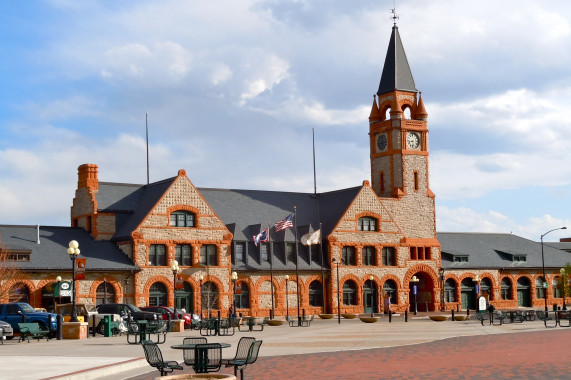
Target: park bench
(564,315)
(482,317)
(544,316)
(34,331)
(159,329)
(529,315)
(305,321)
(242,359)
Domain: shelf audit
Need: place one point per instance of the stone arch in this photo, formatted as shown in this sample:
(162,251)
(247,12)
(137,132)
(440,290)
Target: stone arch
(183,207)
(115,283)
(430,289)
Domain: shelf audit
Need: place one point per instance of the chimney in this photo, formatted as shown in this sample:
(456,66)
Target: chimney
(87,177)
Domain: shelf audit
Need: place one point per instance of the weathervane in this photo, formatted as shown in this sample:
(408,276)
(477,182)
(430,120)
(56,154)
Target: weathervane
(394,13)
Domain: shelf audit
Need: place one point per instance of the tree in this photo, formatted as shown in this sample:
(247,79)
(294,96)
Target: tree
(563,285)
(10,274)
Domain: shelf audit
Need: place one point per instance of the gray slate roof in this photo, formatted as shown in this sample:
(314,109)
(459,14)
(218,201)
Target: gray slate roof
(51,254)
(492,250)
(396,71)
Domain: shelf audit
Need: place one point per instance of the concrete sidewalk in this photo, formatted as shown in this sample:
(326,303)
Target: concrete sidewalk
(113,358)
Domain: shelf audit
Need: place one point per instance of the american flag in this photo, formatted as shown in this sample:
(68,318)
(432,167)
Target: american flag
(283,224)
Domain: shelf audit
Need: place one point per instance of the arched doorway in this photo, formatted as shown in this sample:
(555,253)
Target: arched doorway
(523,292)
(423,299)
(389,295)
(468,294)
(369,297)
(486,289)
(48,296)
(209,297)
(315,293)
(184,298)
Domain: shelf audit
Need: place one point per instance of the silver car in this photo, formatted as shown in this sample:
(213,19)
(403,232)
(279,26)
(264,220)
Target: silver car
(6,331)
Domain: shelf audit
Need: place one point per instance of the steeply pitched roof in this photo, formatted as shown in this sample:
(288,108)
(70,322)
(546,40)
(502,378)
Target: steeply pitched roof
(51,253)
(491,250)
(396,71)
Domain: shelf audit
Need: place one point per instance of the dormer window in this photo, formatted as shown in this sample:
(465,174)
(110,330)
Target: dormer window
(367,224)
(182,219)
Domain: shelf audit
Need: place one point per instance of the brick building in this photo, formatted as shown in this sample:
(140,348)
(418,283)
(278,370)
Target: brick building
(378,240)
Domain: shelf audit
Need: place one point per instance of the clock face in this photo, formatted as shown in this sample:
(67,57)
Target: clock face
(382,141)
(413,140)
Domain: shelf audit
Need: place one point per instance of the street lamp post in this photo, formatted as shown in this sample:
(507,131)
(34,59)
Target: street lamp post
(175,268)
(442,306)
(563,286)
(201,278)
(372,296)
(73,252)
(543,263)
(58,279)
(234,279)
(287,300)
(338,293)
(104,290)
(414,281)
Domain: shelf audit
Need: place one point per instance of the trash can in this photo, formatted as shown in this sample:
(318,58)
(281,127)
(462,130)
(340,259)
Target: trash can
(107,326)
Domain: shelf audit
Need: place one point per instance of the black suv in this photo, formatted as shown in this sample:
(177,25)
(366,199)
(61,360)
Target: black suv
(126,311)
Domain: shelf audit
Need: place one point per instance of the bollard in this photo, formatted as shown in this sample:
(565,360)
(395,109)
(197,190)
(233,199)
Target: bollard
(452,319)
(457,307)
(468,312)
(59,332)
(390,316)
(94,331)
(406,315)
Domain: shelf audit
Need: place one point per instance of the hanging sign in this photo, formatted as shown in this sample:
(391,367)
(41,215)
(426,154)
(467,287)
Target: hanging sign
(80,269)
(65,289)
(179,284)
(238,288)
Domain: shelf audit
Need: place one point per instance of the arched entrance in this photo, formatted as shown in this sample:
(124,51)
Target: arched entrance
(523,290)
(369,297)
(423,299)
(184,298)
(468,294)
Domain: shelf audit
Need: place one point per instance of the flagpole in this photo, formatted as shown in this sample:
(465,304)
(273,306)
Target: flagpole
(322,272)
(296,265)
(272,313)
(314,176)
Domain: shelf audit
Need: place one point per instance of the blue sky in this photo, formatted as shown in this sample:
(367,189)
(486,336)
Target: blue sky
(233,90)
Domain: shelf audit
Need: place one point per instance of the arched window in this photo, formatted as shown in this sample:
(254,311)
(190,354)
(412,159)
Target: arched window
(348,255)
(157,255)
(208,255)
(388,256)
(367,223)
(183,254)
(506,289)
(450,290)
(315,294)
(369,256)
(105,293)
(158,294)
(209,296)
(182,219)
(539,289)
(349,293)
(242,296)
(19,292)
(486,288)
(390,288)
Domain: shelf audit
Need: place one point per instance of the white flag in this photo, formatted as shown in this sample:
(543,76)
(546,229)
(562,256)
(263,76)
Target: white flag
(311,238)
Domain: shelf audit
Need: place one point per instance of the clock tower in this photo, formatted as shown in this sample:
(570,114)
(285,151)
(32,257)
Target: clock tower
(398,131)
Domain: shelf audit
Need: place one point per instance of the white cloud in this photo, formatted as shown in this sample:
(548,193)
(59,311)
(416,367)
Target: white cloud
(262,73)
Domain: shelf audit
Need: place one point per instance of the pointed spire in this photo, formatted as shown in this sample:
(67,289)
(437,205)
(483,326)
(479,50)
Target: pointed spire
(375,113)
(421,113)
(396,71)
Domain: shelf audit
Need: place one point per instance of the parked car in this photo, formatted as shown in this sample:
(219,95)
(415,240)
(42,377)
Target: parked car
(127,311)
(6,331)
(168,313)
(17,312)
(87,311)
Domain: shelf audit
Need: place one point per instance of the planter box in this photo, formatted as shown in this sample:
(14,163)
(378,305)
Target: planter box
(461,317)
(438,318)
(276,322)
(349,316)
(74,330)
(326,316)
